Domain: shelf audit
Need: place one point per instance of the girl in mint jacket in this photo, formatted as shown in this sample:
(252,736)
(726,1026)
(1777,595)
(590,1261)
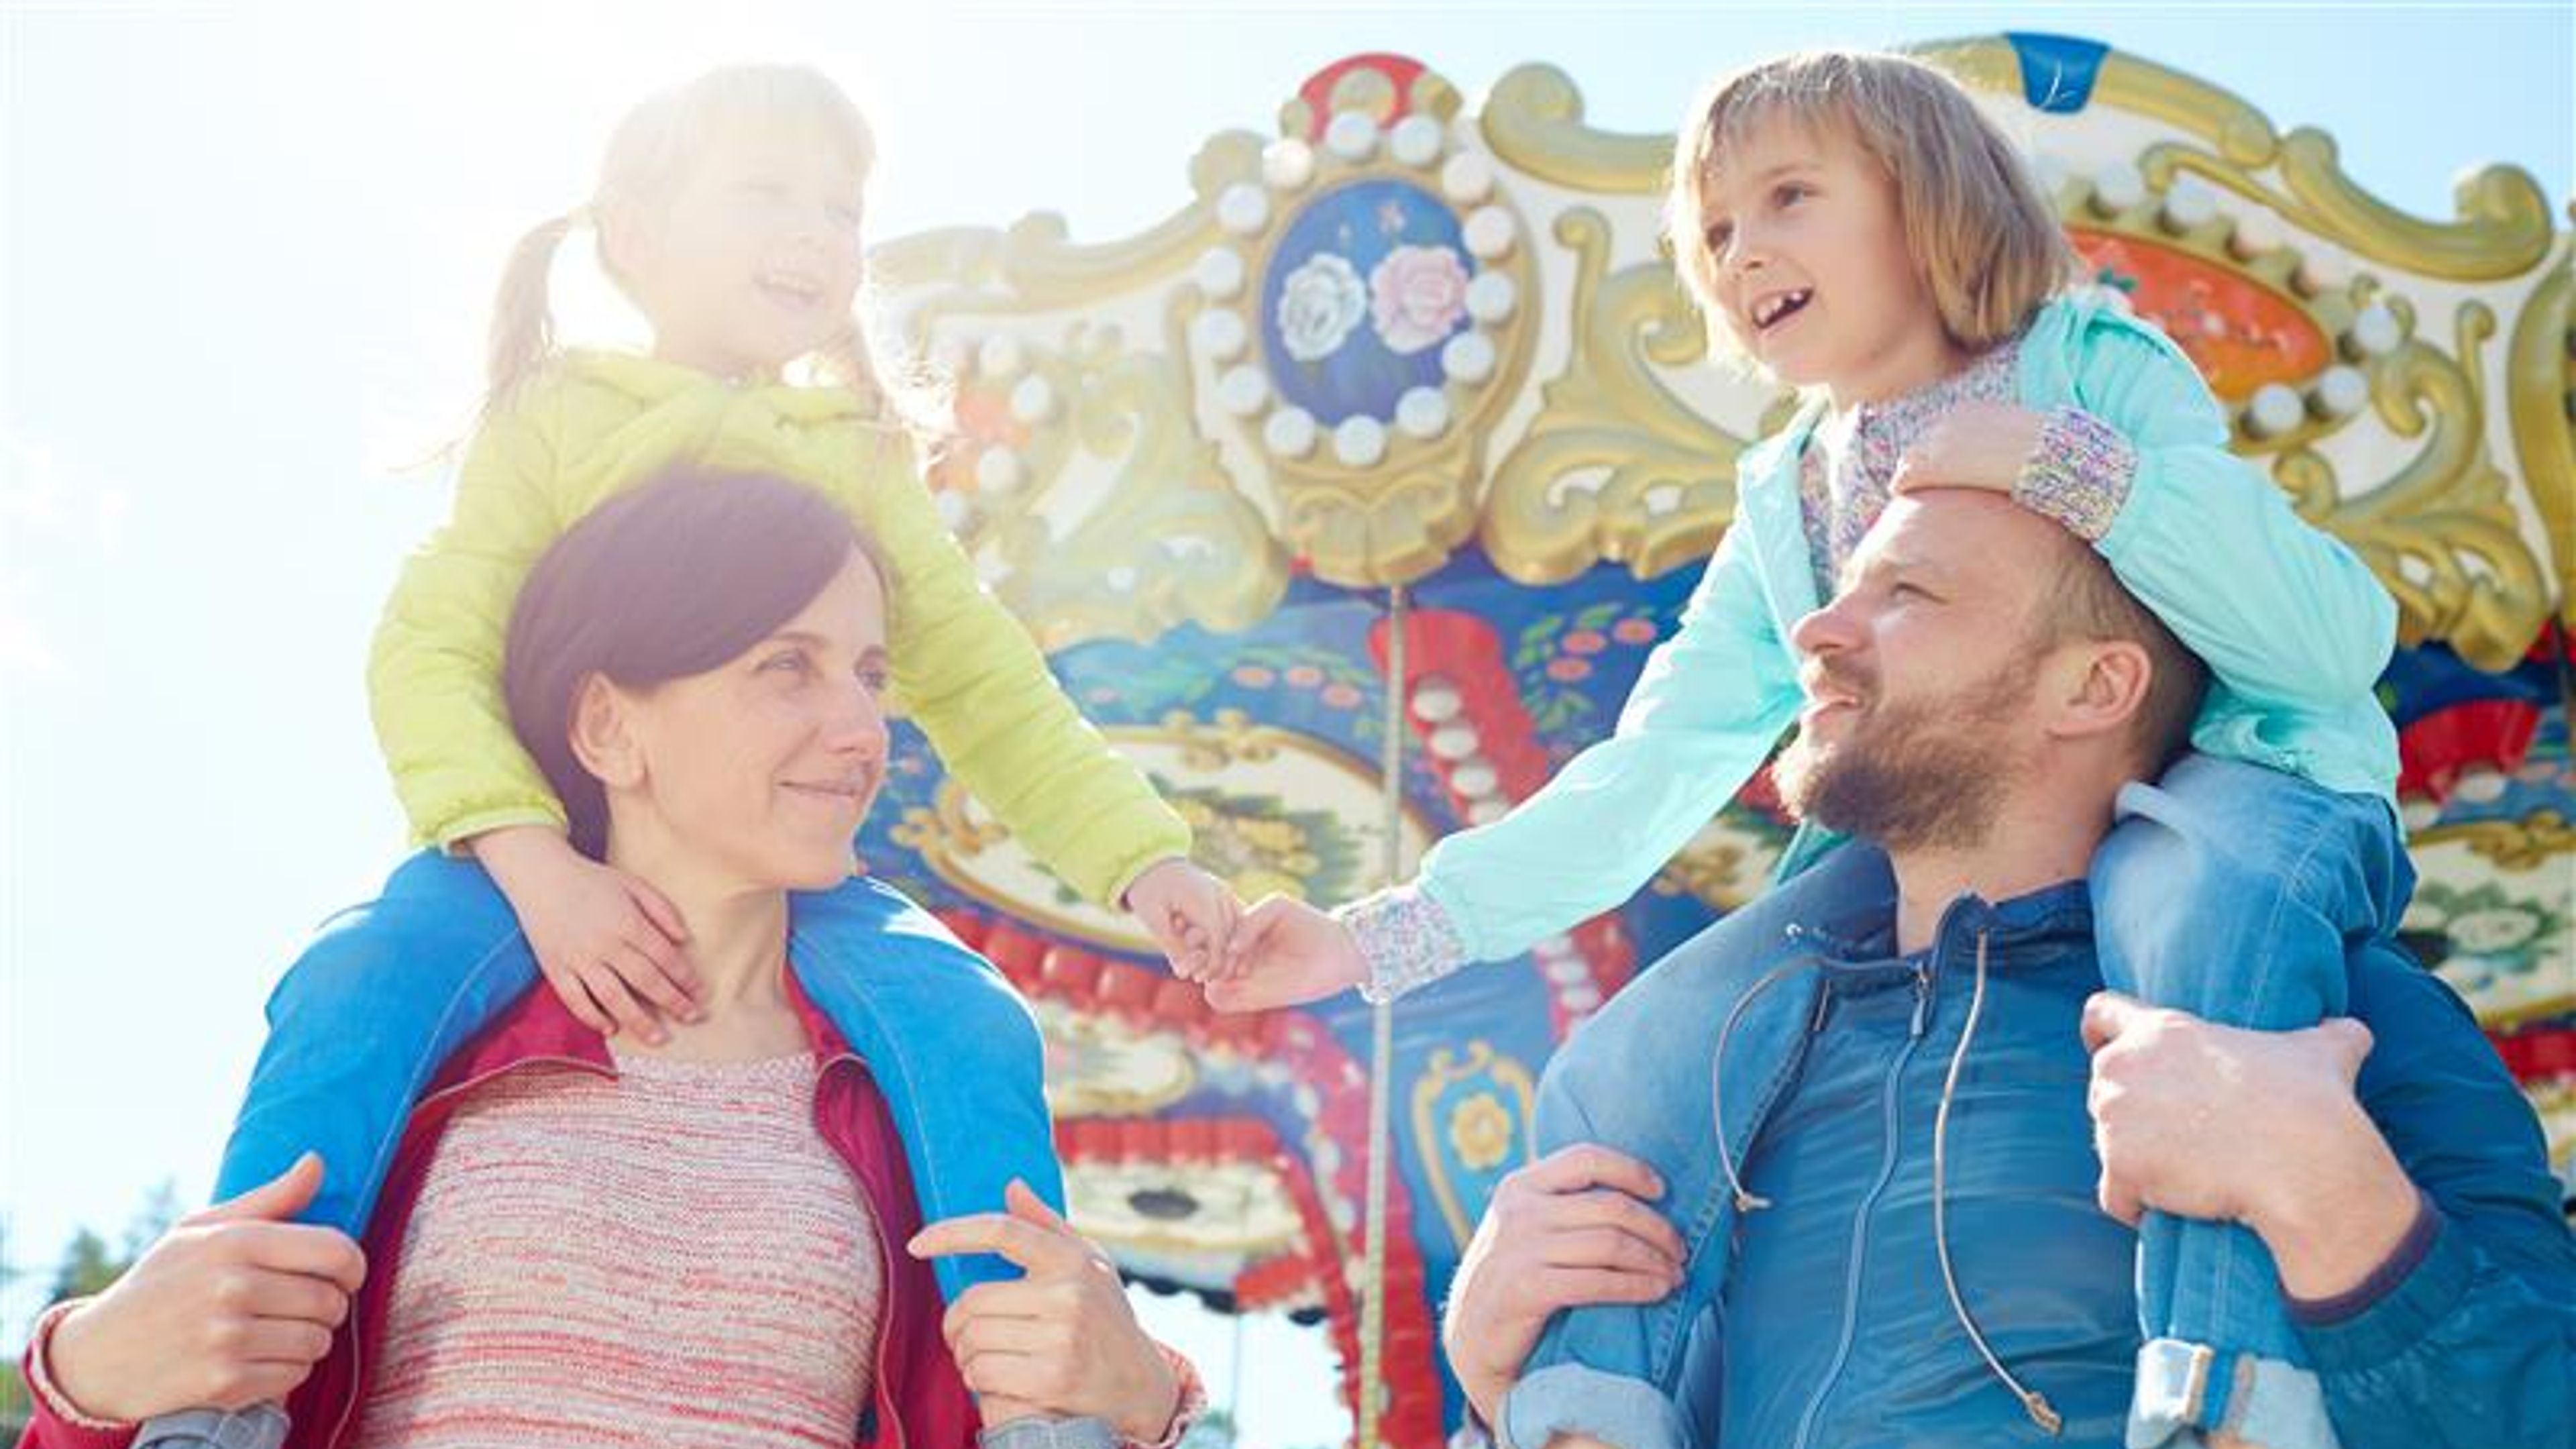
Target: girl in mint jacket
(1854,227)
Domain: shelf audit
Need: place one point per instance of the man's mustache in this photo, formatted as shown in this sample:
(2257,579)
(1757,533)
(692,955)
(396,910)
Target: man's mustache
(1819,678)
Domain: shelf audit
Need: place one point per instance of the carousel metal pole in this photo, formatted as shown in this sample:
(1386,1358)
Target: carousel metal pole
(1372,1394)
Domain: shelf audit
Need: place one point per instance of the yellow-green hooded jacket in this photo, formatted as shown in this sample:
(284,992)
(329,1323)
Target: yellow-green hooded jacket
(596,423)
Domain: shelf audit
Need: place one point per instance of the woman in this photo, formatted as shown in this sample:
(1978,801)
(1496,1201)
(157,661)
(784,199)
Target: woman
(581,1244)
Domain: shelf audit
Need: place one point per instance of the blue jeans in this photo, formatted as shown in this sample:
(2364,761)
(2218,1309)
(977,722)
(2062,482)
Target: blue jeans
(2236,893)
(2227,890)
(387,992)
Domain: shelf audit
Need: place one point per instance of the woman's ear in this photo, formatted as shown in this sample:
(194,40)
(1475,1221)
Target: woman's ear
(603,733)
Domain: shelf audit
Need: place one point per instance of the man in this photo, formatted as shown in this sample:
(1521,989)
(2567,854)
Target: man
(1881,1214)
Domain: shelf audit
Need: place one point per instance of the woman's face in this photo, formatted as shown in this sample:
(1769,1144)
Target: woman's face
(759,771)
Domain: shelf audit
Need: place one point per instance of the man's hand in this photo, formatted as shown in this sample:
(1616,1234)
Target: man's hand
(1286,953)
(2258,1127)
(1060,1340)
(1570,1229)
(232,1307)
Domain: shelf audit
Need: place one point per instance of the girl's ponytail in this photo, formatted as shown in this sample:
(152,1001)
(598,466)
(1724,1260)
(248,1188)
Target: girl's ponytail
(523,325)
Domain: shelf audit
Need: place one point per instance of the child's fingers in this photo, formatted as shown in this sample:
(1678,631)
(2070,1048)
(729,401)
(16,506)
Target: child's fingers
(659,910)
(656,976)
(670,959)
(575,995)
(609,989)
(1250,937)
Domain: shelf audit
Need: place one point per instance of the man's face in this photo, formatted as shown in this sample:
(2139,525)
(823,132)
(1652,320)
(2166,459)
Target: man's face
(1920,676)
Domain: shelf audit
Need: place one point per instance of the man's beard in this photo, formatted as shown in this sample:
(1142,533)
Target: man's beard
(1920,775)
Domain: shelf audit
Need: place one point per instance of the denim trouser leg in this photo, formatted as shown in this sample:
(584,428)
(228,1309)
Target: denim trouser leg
(2234,892)
(1636,1078)
(969,1126)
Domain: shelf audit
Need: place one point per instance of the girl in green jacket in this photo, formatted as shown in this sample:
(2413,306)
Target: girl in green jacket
(728,212)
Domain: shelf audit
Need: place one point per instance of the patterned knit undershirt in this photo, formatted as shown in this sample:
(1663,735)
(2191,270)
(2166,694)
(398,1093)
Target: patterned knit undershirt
(1851,458)
(669,1257)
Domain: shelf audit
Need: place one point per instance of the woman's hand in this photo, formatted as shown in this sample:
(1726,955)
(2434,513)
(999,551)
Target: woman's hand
(1569,1229)
(232,1307)
(1060,1340)
(1286,953)
(609,945)
(1189,913)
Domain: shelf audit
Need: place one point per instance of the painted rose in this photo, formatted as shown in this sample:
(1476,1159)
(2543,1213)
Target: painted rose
(1416,297)
(1319,304)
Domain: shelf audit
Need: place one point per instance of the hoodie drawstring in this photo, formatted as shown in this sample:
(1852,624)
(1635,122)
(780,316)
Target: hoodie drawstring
(1746,1200)
(2033,1402)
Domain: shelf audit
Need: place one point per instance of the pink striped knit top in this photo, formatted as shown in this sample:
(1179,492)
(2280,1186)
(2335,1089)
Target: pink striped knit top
(673,1256)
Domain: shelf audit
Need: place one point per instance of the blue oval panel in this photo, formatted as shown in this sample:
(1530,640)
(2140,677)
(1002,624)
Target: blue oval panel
(1365,285)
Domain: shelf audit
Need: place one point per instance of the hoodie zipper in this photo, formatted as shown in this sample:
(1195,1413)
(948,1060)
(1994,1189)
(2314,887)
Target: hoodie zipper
(1891,1101)
(885,1267)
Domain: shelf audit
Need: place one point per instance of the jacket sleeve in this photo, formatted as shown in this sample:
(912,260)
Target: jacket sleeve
(978,687)
(52,1421)
(2476,1346)
(1707,709)
(434,673)
(2280,611)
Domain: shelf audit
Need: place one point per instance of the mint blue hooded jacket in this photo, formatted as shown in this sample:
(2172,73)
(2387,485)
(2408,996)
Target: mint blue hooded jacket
(2294,627)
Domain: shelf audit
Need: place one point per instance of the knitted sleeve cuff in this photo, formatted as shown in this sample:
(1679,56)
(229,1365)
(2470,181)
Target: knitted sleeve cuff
(1406,938)
(2078,474)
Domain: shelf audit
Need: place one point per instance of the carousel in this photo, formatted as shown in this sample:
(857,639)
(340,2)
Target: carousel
(1349,499)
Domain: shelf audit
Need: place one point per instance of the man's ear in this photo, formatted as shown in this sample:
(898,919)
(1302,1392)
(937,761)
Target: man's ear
(2098,687)
(603,733)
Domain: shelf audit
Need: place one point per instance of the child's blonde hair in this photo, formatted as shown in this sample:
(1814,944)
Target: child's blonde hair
(649,156)
(1990,248)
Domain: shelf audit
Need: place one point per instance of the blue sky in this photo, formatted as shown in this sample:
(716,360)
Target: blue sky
(244,251)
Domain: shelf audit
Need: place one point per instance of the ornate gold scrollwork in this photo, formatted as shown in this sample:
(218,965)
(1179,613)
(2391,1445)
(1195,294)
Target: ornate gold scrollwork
(1614,466)
(1534,120)
(2441,533)
(2516,845)
(2504,228)
(2540,398)
(1169,541)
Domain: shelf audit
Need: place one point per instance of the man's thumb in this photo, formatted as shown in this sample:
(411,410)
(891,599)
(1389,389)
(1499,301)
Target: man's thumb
(277,1200)
(2349,1040)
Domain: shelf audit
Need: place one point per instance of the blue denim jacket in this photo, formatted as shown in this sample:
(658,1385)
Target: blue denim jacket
(1823,1317)
(389,990)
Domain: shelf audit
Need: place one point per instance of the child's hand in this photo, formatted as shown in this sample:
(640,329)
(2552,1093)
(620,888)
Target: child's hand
(1286,953)
(1188,912)
(1977,445)
(609,944)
